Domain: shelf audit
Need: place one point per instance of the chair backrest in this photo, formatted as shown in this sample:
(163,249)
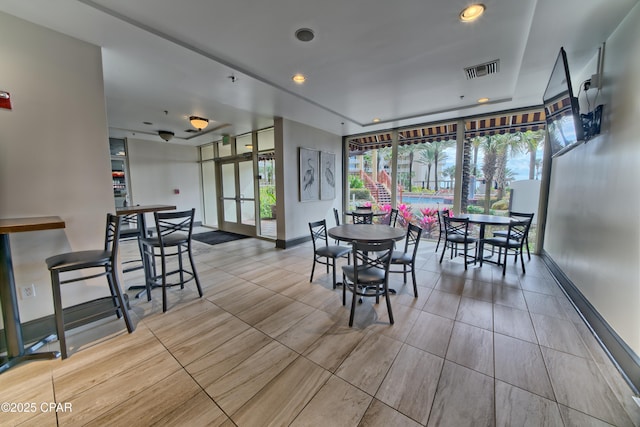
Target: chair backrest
(362,218)
(336,215)
(372,255)
(413,239)
(456,226)
(174,224)
(518,230)
(112,236)
(528,216)
(393,217)
(318,231)
(441,214)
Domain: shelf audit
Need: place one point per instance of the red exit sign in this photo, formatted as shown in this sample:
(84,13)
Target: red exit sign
(5,100)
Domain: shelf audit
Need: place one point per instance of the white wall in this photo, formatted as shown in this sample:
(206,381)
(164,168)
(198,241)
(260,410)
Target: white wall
(593,226)
(289,136)
(54,153)
(159,168)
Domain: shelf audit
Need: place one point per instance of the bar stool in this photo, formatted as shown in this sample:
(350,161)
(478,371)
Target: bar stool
(172,239)
(106,259)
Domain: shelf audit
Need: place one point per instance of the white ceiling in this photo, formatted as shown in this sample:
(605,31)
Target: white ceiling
(402,61)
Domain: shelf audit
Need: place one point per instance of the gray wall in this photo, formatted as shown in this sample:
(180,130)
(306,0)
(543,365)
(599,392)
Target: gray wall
(593,226)
(289,136)
(54,153)
(159,168)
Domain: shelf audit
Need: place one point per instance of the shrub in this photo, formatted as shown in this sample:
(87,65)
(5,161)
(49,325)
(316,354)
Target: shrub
(501,205)
(360,193)
(267,198)
(355,182)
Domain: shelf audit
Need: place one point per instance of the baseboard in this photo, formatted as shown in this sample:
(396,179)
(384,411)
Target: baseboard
(74,316)
(625,359)
(284,244)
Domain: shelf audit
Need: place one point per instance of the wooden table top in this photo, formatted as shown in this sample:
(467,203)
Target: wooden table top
(143,209)
(366,232)
(17,225)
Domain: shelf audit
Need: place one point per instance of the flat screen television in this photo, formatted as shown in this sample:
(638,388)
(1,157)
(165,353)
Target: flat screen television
(561,108)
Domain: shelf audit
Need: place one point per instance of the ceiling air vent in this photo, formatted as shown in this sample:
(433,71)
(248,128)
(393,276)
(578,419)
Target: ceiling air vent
(485,69)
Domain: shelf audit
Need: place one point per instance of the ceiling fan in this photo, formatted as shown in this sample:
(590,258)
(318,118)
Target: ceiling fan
(168,135)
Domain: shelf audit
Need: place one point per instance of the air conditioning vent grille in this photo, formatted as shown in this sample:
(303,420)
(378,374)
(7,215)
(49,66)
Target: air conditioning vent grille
(481,70)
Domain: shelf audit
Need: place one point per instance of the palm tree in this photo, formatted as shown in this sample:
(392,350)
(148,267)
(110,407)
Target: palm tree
(491,149)
(531,140)
(475,143)
(509,145)
(408,150)
(426,157)
(466,166)
(439,155)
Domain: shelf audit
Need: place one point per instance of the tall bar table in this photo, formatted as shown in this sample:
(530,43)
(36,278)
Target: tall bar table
(139,211)
(16,352)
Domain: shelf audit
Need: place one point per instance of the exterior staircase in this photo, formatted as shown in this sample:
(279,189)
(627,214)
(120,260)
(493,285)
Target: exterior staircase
(378,191)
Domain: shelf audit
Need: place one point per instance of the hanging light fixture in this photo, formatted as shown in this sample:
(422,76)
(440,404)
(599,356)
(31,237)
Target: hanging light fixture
(198,122)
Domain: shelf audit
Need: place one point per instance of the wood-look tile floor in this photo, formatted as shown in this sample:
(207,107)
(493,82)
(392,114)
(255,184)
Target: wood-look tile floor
(264,346)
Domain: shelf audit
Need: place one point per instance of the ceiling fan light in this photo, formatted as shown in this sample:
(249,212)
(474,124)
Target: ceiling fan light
(166,135)
(199,122)
(473,12)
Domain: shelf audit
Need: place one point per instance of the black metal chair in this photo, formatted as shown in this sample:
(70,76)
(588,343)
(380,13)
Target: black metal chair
(407,258)
(369,274)
(172,239)
(457,233)
(441,230)
(131,229)
(323,253)
(393,217)
(514,240)
(362,218)
(518,215)
(105,259)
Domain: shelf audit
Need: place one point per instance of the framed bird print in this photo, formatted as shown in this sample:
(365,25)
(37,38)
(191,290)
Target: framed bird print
(327,176)
(309,175)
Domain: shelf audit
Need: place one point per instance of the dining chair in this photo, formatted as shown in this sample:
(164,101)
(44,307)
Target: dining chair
(362,218)
(407,258)
(456,232)
(172,240)
(369,274)
(393,217)
(441,230)
(131,229)
(104,260)
(518,215)
(323,253)
(514,240)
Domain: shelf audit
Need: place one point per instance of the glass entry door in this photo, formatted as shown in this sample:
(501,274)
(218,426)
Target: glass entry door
(237,196)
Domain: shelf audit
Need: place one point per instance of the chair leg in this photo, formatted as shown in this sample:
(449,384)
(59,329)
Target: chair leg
(522,261)
(113,293)
(353,307)
(404,273)
(438,244)
(334,272)
(443,252)
(466,247)
(386,297)
(344,290)
(313,268)
(58,312)
(193,270)
(415,286)
(164,282)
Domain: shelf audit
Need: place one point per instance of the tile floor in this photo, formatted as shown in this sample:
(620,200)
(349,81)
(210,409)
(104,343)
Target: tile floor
(266,347)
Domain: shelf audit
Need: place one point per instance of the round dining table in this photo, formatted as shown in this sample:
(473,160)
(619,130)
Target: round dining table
(370,233)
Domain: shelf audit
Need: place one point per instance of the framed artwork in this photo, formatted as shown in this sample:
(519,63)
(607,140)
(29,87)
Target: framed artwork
(327,176)
(309,175)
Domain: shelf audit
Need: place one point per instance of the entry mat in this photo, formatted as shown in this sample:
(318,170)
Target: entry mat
(217,236)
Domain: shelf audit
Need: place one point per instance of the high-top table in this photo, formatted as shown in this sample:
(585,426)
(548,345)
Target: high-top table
(16,352)
(139,211)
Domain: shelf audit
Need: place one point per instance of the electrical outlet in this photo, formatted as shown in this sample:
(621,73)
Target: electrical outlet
(28,291)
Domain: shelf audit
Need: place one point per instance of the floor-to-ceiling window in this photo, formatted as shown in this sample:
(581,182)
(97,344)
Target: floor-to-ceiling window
(500,168)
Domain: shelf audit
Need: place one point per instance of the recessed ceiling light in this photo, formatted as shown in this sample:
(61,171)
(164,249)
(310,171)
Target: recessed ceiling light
(376,120)
(299,78)
(305,34)
(473,12)
(483,100)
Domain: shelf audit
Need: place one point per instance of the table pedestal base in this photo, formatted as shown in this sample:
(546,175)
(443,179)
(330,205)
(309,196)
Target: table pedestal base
(30,354)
